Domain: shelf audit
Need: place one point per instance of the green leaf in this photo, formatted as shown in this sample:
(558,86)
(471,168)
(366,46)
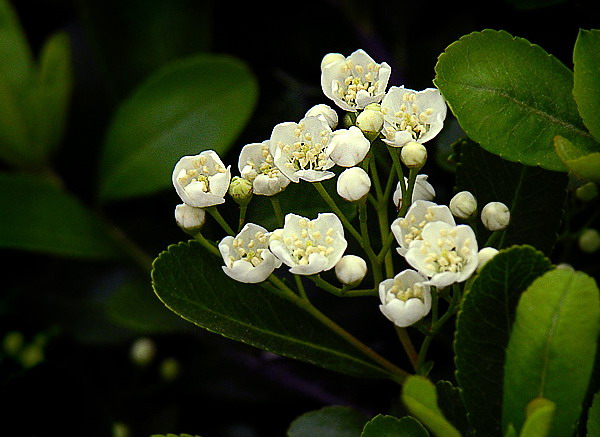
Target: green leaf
(526,190)
(540,413)
(552,348)
(420,397)
(38,216)
(16,60)
(511,97)
(333,421)
(452,406)
(190,105)
(586,69)
(593,419)
(194,286)
(390,426)
(581,164)
(483,328)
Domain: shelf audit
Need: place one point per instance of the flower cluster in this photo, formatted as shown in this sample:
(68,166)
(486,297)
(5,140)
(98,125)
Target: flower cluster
(438,251)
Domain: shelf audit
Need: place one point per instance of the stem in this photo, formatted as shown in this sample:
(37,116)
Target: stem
(277,209)
(207,244)
(407,195)
(408,346)
(394,152)
(300,286)
(366,243)
(214,212)
(325,195)
(243,209)
(340,292)
(132,250)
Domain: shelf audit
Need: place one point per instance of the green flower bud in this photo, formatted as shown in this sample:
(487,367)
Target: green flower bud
(413,155)
(587,192)
(241,190)
(589,240)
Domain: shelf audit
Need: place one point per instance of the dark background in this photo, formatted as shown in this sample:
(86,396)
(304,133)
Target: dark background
(87,381)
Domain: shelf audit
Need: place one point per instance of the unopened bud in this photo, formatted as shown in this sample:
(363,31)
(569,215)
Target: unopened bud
(143,351)
(463,205)
(353,184)
(189,218)
(325,113)
(484,255)
(370,121)
(414,155)
(240,190)
(351,270)
(495,216)
(589,240)
(587,192)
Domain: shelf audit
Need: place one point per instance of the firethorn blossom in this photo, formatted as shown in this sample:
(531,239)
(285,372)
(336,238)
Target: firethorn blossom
(309,246)
(351,270)
(412,115)
(495,216)
(413,155)
(422,190)
(445,253)
(348,147)
(355,81)
(485,254)
(463,204)
(409,228)
(406,298)
(247,256)
(325,112)
(201,180)
(370,121)
(353,184)
(256,164)
(300,149)
(190,219)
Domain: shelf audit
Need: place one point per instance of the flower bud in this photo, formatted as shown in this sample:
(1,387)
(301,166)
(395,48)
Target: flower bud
(189,218)
(484,255)
(463,205)
(495,216)
(589,240)
(587,192)
(325,113)
(370,121)
(143,351)
(353,184)
(414,155)
(351,270)
(348,147)
(241,190)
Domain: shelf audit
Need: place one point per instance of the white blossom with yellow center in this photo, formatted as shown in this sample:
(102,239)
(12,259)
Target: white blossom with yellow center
(409,228)
(355,81)
(247,256)
(256,165)
(300,149)
(446,254)
(406,298)
(201,180)
(422,190)
(309,246)
(412,115)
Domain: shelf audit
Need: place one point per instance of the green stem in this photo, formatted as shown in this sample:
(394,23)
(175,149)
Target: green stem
(331,203)
(243,209)
(340,292)
(277,209)
(132,250)
(408,346)
(300,286)
(407,195)
(214,212)
(207,244)
(395,154)
(366,244)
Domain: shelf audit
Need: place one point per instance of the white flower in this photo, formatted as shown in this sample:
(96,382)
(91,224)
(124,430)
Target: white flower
(408,229)
(201,180)
(412,116)
(445,253)
(484,255)
(422,190)
(406,298)
(348,147)
(351,270)
(256,164)
(325,112)
(463,204)
(413,154)
(189,218)
(354,82)
(300,149)
(370,121)
(353,184)
(247,256)
(495,216)
(309,246)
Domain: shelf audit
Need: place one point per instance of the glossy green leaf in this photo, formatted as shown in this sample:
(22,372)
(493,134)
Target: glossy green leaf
(190,105)
(452,406)
(483,329)
(593,418)
(540,413)
(193,285)
(390,426)
(16,60)
(333,421)
(420,397)
(526,190)
(511,97)
(38,216)
(586,69)
(583,165)
(552,348)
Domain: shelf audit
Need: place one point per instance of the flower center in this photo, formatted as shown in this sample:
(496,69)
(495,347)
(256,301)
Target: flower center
(250,250)
(199,175)
(410,118)
(444,255)
(412,228)
(308,152)
(404,294)
(359,78)
(309,241)
(264,167)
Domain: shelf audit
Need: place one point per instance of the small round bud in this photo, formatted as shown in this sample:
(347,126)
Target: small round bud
(414,155)
(189,218)
(351,270)
(463,205)
(353,184)
(143,351)
(241,190)
(565,266)
(587,192)
(484,255)
(13,343)
(325,113)
(330,58)
(589,240)
(169,369)
(370,121)
(495,216)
